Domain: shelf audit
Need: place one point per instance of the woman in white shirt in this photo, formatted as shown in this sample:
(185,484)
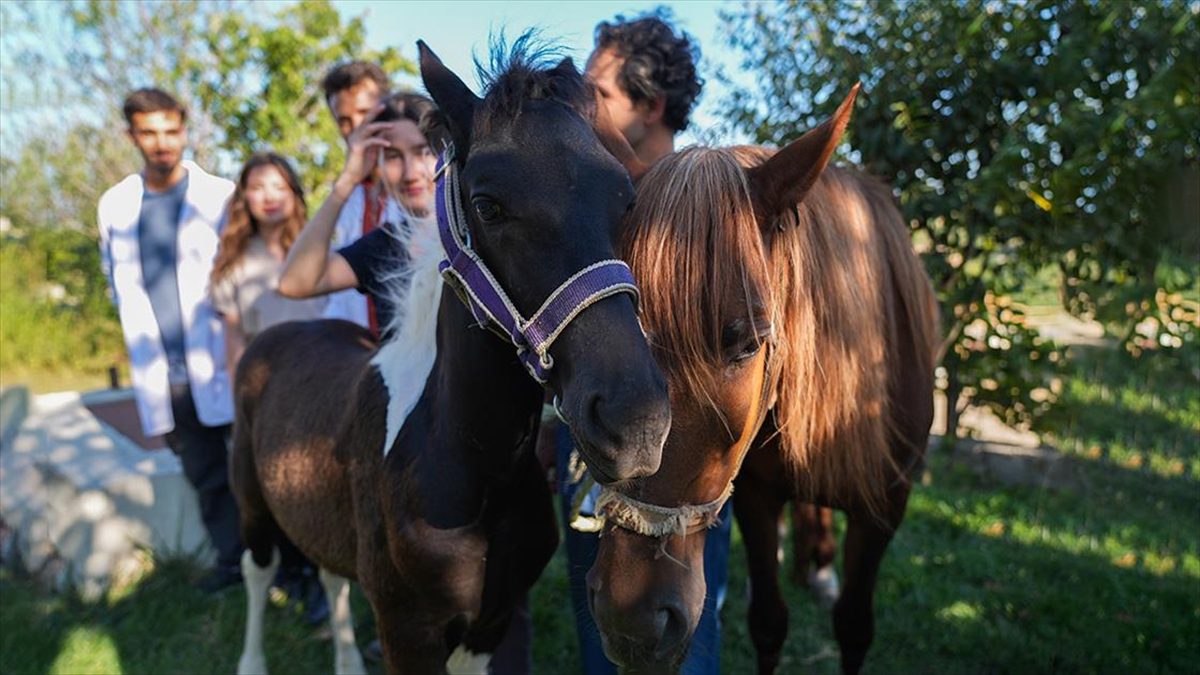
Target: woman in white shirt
(265,214)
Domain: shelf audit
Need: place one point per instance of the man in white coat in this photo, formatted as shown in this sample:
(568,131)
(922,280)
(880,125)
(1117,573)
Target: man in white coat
(158,238)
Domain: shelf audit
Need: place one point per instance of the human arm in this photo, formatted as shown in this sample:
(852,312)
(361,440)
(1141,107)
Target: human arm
(223,294)
(235,344)
(106,267)
(311,268)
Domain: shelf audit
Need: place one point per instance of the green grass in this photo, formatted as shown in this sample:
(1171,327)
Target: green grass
(1100,577)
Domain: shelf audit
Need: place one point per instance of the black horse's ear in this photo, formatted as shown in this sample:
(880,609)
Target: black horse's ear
(783,181)
(567,65)
(456,101)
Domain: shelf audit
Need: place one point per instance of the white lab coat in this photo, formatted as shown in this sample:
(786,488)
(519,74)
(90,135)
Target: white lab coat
(204,337)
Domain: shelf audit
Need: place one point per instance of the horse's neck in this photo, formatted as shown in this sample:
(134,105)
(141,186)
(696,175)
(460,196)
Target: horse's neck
(485,404)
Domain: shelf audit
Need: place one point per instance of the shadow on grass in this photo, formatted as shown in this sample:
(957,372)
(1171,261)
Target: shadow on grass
(159,625)
(1046,591)
(163,625)
(1111,399)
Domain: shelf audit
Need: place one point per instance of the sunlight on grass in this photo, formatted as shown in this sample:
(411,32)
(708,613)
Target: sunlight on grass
(960,612)
(127,580)
(86,650)
(1121,546)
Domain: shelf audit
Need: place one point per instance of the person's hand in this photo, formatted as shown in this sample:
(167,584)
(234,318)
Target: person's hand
(366,142)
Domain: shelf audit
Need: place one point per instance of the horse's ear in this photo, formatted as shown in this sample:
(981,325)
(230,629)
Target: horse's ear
(614,141)
(567,65)
(783,180)
(456,101)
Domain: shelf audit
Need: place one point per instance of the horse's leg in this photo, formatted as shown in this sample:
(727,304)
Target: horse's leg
(757,512)
(867,539)
(347,659)
(410,646)
(261,558)
(815,548)
(258,582)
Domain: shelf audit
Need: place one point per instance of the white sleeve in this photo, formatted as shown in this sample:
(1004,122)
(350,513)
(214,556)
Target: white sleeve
(106,267)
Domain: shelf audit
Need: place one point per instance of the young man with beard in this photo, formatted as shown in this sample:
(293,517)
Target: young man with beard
(158,239)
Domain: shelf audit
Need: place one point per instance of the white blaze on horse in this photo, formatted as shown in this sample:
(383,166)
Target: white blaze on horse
(410,468)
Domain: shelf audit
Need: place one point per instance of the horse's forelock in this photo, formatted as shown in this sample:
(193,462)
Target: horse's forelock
(692,235)
(527,71)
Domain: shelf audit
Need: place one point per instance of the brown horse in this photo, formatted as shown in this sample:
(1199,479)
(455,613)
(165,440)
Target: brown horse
(410,468)
(798,331)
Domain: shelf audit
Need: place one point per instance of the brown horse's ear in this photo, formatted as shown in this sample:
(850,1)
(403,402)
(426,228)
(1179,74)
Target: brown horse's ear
(456,101)
(615,142)
(783,180)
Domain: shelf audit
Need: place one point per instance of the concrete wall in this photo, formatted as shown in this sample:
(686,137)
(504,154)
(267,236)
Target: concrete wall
(79,500)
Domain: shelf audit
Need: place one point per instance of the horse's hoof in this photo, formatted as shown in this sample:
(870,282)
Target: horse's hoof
(823,584)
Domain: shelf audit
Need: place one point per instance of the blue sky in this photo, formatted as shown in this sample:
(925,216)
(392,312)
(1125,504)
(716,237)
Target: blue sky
(457,30)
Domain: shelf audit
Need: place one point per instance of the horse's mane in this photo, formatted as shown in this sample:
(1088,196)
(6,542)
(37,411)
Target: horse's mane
(415,289)
(691,236)
(526,71)
(841,281)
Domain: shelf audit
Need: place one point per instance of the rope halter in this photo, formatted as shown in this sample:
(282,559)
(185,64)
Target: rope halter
(662,522)
(656,521)
(476,286)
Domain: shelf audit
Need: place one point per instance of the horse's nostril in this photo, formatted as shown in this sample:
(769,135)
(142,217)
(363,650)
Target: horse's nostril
(597,414)
(672,632)
(661,620)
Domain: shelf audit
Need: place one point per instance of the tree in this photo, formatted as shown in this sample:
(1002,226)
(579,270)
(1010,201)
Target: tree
(250,78)
(262,89)
(1016,135)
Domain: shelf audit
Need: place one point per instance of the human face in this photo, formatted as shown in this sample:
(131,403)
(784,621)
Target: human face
(408,167)
(160,137)
(350,107)
(603,69)
(269,198)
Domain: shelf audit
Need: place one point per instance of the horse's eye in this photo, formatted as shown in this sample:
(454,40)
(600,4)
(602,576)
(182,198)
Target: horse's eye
(747,351)
(488,210)
(743,340)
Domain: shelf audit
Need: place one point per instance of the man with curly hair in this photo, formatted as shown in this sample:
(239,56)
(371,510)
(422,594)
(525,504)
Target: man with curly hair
(645,75)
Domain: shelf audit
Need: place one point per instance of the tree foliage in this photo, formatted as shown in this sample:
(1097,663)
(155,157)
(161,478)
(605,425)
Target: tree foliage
(1017,136)
(263,88)
(250,76)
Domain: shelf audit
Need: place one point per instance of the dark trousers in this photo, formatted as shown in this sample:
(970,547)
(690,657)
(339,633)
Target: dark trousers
(204,453)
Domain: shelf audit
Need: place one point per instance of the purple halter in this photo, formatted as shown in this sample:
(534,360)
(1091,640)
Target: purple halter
(490,305)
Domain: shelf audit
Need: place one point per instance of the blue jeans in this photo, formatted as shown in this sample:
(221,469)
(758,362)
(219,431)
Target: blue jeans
(704,655)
